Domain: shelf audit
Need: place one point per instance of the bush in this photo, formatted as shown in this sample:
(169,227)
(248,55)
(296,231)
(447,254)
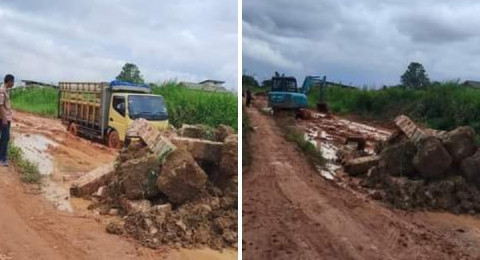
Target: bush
(443,106)
(41,101)
(188,106)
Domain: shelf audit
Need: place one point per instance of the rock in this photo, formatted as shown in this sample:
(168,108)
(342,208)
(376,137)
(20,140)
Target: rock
(470,168)
(89,183)
(138,177)
(113,212)
(115,228)
(201,150)
(460,143)
(135,206)
(229,160)
(197,131)
(102,192)
(163,208)
(361,165)
(222,132)
(181,177)
(396,159)
(431,159)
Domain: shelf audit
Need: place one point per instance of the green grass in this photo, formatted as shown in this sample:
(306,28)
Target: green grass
(27,169)
(293,134)
(198,107)
(41,101)
(443,106)
(184,105)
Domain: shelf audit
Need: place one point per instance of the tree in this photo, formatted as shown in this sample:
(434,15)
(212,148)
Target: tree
(415,76)
(130,73)
(249,81)
(267,83)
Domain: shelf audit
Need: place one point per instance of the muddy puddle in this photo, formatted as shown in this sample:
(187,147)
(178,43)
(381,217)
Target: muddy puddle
(35,149)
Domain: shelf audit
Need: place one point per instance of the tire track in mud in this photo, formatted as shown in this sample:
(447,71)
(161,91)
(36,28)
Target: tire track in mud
(290,212)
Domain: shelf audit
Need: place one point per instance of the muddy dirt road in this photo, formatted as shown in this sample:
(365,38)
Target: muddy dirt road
(291,212)
(43,222)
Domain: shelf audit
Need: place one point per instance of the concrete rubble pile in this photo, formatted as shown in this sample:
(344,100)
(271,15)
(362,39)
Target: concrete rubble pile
(423,168)
(175,190)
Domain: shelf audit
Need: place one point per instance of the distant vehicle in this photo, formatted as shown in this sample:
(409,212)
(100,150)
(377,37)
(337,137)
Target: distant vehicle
(285,95)
(104,110)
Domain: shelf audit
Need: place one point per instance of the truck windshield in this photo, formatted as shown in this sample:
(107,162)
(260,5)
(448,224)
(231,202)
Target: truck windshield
(147,107)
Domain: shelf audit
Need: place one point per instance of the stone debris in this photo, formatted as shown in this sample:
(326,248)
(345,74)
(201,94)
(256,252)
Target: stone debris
(181,177)
(419,168)
(201,150)
(222,132)
(92,181)
(170,190)
(360,165)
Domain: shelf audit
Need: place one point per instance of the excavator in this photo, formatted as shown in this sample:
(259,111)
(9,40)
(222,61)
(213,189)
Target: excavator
(285,94)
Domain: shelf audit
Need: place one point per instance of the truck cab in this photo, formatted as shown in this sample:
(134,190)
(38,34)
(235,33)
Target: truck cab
(284,94)
(105,110)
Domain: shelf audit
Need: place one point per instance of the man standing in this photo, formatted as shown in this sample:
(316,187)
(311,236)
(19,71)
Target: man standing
(6,117)
(249,97)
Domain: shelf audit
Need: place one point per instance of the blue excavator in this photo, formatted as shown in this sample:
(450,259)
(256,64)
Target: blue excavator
(285,95)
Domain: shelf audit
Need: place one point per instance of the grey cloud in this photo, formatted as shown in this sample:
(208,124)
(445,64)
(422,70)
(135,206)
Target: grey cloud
(363,42)
(90,40)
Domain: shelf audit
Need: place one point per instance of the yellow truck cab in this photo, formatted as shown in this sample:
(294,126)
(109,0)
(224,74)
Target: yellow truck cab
(105,110)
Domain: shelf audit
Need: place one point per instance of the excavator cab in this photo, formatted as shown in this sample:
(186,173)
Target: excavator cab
(284,94)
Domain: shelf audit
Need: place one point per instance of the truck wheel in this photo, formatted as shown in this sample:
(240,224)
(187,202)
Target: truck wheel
(113,140)
(72,129)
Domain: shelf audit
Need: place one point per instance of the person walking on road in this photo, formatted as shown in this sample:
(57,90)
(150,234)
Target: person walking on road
(248,97)
(6,117)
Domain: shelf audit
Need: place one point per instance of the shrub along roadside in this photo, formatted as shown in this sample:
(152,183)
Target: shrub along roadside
(443,106)
(40,101)
(28,170)
(188,106)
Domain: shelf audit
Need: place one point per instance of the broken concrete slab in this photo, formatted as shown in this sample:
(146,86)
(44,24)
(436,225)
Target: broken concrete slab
(361,165)
(201,150)
(229,161)
(222,132)
(409,128)
(90,182)
(431,159)
(460,143)
(152,137)
(181,177)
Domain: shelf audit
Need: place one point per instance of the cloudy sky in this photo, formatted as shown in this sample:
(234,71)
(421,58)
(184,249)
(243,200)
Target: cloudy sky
(363,42)
(53,40)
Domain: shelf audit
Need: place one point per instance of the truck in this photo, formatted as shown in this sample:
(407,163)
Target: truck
(104,110)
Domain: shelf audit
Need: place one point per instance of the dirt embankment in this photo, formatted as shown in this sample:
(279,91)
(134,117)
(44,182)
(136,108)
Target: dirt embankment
(291,212)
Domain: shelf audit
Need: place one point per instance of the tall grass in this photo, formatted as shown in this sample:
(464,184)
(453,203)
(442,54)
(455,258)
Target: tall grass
(198,107)
(41,101)
(443,106)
